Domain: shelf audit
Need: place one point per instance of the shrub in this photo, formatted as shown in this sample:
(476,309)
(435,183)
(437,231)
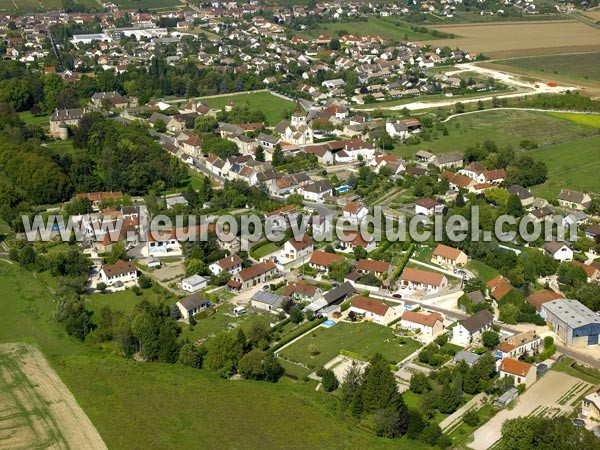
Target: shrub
(471,418)
(329,380)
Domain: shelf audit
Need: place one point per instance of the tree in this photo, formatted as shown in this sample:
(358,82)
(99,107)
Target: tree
(222,354)
(419,383)
(160,126)
(490,339)
(459,108)
(514,206)
(339,269)
(190,356)
(117,253)
(530,433)
(350,384)
(205,124)
(334,44)
(277,158)
(471,418)
(329,380)
(101,286)
(259,153)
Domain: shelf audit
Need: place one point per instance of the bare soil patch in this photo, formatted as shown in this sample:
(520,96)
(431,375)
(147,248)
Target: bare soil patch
(514,39)
(36,408)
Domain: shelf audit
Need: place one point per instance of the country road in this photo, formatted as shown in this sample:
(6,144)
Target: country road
(523,89)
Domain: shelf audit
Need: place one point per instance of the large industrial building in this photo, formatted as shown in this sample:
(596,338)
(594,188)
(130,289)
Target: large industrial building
(575,323)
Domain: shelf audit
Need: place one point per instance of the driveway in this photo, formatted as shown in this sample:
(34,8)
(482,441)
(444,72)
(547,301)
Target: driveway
(542,396)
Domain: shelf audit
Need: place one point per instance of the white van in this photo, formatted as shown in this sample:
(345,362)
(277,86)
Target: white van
(239,310)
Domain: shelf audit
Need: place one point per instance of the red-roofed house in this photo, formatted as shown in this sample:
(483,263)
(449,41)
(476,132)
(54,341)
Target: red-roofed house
(538,298)
(322,260)
(522,372)
(429,324)
(253,275)
(373,310)
(499,287)
(377,268)
(121,271)
(423,280)
(449,256)
(355,211)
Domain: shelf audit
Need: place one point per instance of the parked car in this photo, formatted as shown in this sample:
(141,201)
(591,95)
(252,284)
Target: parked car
(397,295)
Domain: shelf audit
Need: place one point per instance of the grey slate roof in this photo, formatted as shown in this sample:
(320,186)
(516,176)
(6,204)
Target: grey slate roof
(341,292)
(478,321)
(193,301)
(572,312)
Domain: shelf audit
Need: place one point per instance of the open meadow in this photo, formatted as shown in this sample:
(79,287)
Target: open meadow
(571,165)
(273,106)
(515,39)
(165,406)
(375,26)
(580,66)
(504,127)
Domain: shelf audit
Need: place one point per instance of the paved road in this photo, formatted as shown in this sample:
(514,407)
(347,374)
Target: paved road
(545,392)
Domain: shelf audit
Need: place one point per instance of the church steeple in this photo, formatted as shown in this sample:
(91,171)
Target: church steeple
(299,116)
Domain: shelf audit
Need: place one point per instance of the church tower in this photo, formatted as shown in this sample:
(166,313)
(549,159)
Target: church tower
(299,117)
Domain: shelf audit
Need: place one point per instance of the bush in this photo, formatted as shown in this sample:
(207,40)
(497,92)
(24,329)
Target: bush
(548,341)
(521,388)
(101,286)
(137,290)
(471,418)
(145,282)
(329,380)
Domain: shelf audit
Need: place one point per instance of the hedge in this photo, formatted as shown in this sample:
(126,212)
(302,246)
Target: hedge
(402,264)
(297,332)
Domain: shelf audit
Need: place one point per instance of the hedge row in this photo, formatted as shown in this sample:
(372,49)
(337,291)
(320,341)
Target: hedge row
(402,264)
(297,332)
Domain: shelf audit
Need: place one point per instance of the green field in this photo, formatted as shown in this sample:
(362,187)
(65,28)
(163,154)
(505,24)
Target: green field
(387,29)
(167,406)
(571,165)
(273,106)
(364,338)
(28,118)
(264,250)
(504,127)
(23,6)
(148,4)
(482,270)
(583,66)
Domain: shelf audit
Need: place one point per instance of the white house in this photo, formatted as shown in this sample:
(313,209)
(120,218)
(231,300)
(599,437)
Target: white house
(120,271)
(526,343)
(374,310)
(231,264)
(470,330)
(423,280)
(355,211)
(316,192)
(520,371)
(194,283)
(428,207)
(560,251)
(296,249)
(191,305)
(429,324)
(266,301)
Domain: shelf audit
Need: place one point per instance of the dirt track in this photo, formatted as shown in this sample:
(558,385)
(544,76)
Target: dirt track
(36,408)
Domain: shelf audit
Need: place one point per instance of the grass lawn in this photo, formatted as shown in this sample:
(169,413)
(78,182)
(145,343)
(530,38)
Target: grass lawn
(504,127)
(581,66)
(364,338)
(271,105)
(28,118)
(63,147)
(264,250)
(571,165)
(385,28)
(460,435)
(482,270)
(567,365)
(210,325)
(170,406)
(126,300)
(147,4)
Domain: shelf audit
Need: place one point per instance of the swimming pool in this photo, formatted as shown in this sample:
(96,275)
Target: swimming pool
(328,323)
(343,189)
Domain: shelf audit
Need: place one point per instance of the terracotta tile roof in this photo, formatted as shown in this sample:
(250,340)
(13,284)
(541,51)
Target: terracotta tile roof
(256,270)
(367,304)
(305,242)
(447,252)
(284,210)
(427,320)
(589,270)
(300,288)
(515,367)
(499,287)
(422,276)
(119,268)
(229,261)
(538,298)
(324,259)
(352,207)
(371,265)
(428,203)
